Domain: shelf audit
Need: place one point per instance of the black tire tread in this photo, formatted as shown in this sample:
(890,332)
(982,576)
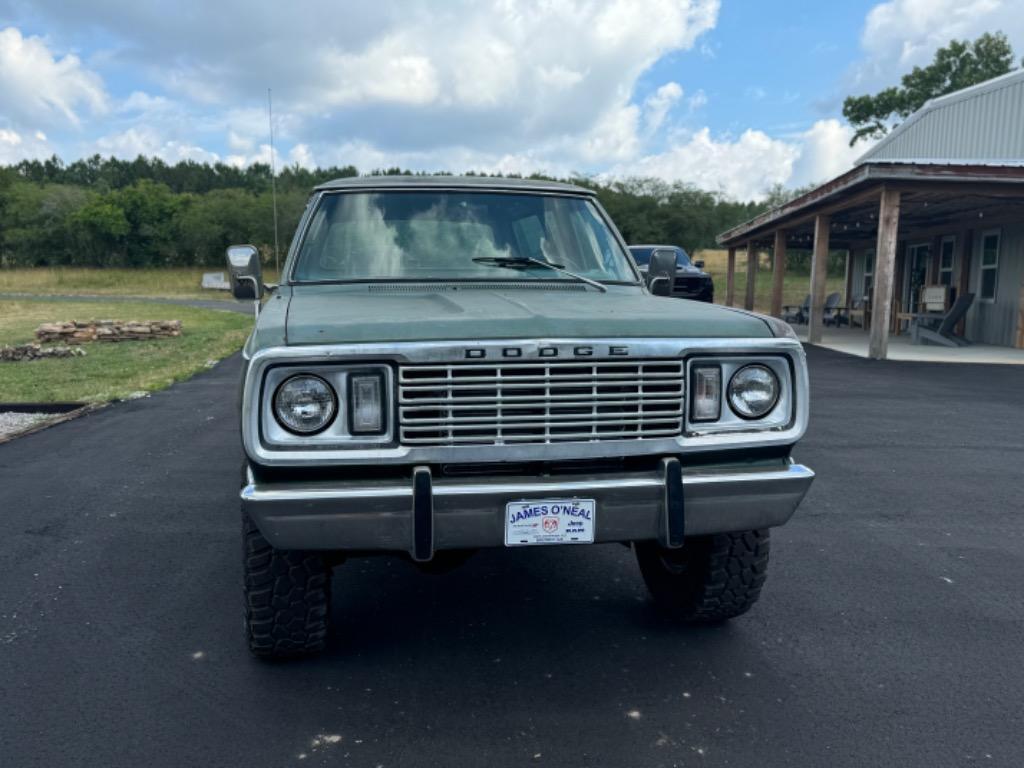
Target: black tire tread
(723,579)
(287,597)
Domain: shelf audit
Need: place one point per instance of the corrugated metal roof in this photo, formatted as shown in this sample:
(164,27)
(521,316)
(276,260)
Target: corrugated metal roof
(980,125)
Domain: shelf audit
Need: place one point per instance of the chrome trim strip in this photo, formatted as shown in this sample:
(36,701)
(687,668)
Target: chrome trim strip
(448,351)
(255,494)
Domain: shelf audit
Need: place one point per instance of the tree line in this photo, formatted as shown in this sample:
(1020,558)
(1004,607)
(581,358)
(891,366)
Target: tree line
(100,212)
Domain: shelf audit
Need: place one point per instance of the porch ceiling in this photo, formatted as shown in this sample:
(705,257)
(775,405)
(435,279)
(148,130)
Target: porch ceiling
(920,211)
(931,197)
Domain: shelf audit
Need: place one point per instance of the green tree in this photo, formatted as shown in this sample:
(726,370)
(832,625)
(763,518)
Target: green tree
(36,227)
(100,227)
(960,64)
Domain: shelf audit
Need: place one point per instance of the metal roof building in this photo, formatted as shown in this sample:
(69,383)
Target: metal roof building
(934,208)
(981,125)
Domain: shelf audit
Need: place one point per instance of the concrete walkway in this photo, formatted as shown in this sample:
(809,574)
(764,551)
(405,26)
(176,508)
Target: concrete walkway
(854,341)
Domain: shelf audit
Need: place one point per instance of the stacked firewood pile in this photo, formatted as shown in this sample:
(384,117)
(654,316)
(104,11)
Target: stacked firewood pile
(76,332)
(35,352)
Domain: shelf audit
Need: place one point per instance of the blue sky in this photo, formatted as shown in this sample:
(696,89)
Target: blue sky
(734,96)
(779,66)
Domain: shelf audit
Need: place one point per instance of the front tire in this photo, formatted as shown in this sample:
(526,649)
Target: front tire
(287,597)
(711,579)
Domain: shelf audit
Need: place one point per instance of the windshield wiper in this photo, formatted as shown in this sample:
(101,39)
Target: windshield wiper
(523,262)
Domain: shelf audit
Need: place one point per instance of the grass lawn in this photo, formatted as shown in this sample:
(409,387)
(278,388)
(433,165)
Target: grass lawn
(183,282)
(111,371)
(794,287)
(171,282)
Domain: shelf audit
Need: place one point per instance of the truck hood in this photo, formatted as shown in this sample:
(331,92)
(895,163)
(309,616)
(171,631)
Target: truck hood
(359,313)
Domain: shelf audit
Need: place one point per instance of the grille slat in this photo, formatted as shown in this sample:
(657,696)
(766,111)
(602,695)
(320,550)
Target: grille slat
(540,402)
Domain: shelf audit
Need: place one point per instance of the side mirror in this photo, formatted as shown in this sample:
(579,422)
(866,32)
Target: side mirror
(661,273)
(699,263)
(245,272)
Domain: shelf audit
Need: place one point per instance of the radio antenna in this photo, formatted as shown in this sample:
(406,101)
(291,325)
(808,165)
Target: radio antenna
(273,177)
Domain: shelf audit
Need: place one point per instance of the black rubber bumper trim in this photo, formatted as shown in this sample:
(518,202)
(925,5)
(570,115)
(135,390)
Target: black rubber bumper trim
(675,504)
(422,515)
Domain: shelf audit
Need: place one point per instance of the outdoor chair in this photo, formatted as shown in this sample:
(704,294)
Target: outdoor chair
(792,313)
(831,312)
(854,312)
(939,329)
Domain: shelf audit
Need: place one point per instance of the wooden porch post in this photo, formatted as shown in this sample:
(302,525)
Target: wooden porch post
(885,265)
(730,279)
(966,243)
(1020,318)
(748,302)
(778,271)
(848,290)
(933,264)
(965,240)
(819,272)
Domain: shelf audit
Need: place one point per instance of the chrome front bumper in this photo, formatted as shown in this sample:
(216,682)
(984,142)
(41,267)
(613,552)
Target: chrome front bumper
(427,513)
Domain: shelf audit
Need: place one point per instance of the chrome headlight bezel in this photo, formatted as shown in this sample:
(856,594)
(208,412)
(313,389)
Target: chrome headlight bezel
(338,434)
(777,418)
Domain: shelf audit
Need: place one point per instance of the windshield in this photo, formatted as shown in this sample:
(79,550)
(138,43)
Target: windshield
(437,236)
(642,254)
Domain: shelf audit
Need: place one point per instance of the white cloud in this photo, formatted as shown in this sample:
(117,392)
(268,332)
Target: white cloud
(239,143)
(658,104)
(698,100)
(302,156)
(388,71)
(141,102)
(500,75)
(614,137)
(901,34)
(146,140)
(262,155)
(825,152)
(15,147)
(37,87)
(744,168)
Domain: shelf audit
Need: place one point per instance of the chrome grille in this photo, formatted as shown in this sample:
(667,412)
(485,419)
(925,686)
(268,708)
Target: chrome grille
(539,402)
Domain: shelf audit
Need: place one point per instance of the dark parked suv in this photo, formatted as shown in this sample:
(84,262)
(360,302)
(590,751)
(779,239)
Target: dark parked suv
(691,281)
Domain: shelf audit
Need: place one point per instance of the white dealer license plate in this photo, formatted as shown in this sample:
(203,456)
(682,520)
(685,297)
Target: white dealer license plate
(549,521)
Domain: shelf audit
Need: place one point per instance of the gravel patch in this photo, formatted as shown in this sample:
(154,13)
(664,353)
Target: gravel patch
(11,422)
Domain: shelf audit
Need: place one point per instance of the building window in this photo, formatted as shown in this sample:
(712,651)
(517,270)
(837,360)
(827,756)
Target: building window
(989,264)
(946,259)
(869,274)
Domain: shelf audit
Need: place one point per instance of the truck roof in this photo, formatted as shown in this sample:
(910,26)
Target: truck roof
(491,183)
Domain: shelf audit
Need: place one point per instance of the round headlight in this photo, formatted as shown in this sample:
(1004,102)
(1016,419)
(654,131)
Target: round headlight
(753,391)
(305,404)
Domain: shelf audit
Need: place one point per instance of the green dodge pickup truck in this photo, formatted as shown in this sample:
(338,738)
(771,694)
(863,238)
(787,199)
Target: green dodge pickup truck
(456,363)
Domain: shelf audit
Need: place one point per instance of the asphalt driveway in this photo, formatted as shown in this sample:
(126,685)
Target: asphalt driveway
(890,632)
